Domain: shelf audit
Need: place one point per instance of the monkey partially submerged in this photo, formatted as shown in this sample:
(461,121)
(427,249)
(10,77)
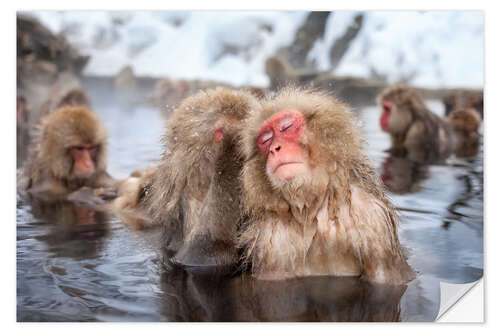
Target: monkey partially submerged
(67,159)
(465,123)
(195,191)
(314,203)
(416,132)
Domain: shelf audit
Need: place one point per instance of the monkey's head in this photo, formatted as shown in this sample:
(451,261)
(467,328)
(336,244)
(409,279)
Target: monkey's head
(465,122)
(74,97)
(73,144)
(278,70)
(399,104)
(295,143)
(201,143)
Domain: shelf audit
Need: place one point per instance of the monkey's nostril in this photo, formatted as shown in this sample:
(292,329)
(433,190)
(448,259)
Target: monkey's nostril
(278,148)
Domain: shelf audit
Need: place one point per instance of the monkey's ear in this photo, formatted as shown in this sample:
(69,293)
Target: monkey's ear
(311,115)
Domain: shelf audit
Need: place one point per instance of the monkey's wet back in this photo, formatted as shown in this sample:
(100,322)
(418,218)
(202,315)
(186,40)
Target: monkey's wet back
(78,265)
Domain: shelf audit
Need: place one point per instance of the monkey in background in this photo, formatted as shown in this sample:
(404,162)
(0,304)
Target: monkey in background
(465,123)
(416,133)
(68,158)
(195,191)
(463,99)
(314,203)
(281,73)
(75,97)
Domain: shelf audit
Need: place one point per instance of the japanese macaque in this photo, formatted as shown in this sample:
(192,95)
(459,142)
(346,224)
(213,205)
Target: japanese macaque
(195,191)
(314,203)
(75,97)
(281,74)
(416,133)
(463,99)
(465,123)
(67,159)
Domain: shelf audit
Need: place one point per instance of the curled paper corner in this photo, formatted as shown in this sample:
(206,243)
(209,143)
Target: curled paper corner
(450,297)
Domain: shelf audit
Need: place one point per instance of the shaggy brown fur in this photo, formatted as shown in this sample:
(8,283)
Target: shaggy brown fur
(195,190)
(336,221)
(416,132)
(75,97)
(463,99)
(49,166)
(465,123)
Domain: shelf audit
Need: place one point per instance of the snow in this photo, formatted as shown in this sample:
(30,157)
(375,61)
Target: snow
(433,49)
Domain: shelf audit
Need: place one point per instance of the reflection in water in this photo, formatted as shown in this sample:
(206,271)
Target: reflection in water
(190,297)
(401,175)
(73,231)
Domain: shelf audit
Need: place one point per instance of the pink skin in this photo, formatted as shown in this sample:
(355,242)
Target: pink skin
(83,156)
(278,141)
(384,119)
(219,134)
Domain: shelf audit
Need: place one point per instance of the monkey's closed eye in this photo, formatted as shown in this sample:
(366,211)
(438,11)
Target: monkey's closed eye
(286,124)
(265,137)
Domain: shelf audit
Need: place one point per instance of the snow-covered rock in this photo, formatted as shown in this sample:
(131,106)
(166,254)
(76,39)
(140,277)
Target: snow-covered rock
(434,49)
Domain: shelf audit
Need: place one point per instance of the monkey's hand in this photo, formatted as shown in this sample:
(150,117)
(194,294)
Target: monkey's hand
(106,193)
(92,197)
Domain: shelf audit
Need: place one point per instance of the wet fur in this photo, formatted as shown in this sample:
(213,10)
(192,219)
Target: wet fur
(195,191)
(338,221)
(416,132)
(49,166)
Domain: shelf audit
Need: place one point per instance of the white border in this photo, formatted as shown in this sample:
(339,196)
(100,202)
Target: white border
(7,132)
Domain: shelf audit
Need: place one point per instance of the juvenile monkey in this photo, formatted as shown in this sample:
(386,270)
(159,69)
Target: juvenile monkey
(67,159)
(314,203)
(463,99)
(416,133)
(465,123)
(195,191)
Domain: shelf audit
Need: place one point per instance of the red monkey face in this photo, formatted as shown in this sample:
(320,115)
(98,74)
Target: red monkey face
(278,141)
(83,158)
(386,114)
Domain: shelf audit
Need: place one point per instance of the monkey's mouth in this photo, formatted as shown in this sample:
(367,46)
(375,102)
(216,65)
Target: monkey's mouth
(283,164)
(288,170)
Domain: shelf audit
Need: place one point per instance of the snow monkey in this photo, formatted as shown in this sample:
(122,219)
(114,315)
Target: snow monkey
(416,132)
(195,191)
(68,157)
(465,123)
(313,201)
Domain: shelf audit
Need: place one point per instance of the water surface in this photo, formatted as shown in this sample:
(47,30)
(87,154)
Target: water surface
(74,264)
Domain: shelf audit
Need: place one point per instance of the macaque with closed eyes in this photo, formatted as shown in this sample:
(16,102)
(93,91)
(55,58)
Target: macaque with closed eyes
(314,203)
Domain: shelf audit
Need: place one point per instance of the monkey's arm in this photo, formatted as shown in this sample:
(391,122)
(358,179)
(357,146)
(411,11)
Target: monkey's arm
(417,142)
(129,205)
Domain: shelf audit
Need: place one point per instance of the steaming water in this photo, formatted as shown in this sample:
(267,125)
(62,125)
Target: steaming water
(74,264)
